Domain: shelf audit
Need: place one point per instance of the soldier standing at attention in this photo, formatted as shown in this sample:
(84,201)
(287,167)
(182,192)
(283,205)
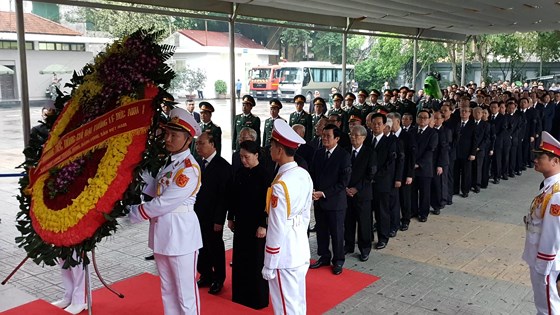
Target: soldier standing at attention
(337,110)
(319,106)
(245,119)
(175,235)
(349,107)
(288,206)
(206,110)
(301,117)
(543,229)
(275,107)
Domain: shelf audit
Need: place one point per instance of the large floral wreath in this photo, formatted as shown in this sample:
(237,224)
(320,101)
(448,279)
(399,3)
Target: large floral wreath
(105,133)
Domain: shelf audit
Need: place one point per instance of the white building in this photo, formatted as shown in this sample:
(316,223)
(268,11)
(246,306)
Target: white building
(48,43)
(210,51)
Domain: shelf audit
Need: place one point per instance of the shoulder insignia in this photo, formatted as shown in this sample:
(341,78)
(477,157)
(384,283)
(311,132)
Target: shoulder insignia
(188,163)
(555,210)
(181,180)
(274,201)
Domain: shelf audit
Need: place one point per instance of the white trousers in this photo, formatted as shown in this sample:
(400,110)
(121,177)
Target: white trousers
(74,283)
(287,291)
(179,290)
(545,292)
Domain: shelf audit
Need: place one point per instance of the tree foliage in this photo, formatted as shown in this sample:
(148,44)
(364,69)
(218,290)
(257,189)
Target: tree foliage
(189,79)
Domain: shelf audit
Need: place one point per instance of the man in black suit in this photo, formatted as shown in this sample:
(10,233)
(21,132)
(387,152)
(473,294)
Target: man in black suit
(190,109)
(515,126)
(532,130)
(330,171)
(466,152)
(451,123)
(482,146)
(547,111)
(305,150)
(439,187)
(384,179)
(426,143)
(344,137)
(499,123)
(211,207)
(408,154)
(359,195)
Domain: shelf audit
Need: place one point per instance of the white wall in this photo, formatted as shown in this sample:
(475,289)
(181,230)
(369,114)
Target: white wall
(38,60)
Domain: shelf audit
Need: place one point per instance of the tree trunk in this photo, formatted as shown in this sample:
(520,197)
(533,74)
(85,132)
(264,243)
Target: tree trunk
(452,53)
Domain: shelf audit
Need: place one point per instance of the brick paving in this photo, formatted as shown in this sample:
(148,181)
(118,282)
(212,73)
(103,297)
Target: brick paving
(465,261)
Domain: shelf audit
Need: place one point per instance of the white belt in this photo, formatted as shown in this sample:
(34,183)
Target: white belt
(183,208)
(534,229)
(296,220)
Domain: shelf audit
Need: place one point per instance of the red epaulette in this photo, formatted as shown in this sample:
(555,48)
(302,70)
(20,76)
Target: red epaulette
(188,163)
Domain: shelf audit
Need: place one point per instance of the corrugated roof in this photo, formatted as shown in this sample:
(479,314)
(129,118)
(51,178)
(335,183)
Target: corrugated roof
(34,24)
(220,39)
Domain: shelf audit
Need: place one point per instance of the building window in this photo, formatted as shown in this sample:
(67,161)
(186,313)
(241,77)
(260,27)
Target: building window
(62,46)
(12,44)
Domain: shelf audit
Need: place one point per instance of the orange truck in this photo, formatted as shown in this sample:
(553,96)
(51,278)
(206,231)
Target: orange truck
(263,81)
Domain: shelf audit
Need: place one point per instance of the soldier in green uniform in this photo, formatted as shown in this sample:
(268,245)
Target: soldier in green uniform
(350,108)
(301,117)
(362,105)
(245,119)
(206,110)
(275,107)
(319,106)
(404,105)
(337,110)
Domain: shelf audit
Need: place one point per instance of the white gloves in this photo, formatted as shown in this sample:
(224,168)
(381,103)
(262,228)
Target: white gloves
(146,176)
(150,187)
(268,274)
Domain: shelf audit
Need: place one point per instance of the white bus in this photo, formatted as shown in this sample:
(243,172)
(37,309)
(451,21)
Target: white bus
(306,77)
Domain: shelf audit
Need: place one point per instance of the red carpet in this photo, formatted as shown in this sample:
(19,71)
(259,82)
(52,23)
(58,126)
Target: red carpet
(143,296)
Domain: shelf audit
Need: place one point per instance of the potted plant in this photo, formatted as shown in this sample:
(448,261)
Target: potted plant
(220,87)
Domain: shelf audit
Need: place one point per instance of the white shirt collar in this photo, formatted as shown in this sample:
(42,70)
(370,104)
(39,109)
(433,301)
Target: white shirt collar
(358,149)
(209,159)
(332,150)
(398,132)
(550,180)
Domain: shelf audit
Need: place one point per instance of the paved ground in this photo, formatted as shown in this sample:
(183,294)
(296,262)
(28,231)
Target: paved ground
(465,261)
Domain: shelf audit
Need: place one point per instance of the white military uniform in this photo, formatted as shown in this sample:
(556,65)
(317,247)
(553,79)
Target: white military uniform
(175,234)
(542,245)
(287,245)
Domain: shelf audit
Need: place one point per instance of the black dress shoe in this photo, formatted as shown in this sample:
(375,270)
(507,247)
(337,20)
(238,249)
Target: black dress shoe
(364,257)
(318,264)
(518,173)
(380,245)
(404,227)
(151,257)
(496,181)
(337,269)
(392,233)
(436,211)
(511,175)
(422,218)
(202,282)
(216,287)
(449,203)
(465,195)
(504,177)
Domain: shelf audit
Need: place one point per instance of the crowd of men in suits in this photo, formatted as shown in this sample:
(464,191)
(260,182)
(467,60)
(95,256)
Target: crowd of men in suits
(377,164)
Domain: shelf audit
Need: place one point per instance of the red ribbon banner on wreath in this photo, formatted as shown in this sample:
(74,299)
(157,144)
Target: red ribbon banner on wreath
(130,117)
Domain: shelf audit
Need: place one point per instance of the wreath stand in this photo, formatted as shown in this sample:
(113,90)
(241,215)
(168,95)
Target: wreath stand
(87,280)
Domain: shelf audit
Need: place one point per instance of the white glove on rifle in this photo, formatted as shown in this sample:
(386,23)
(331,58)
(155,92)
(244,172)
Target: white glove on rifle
(268,274)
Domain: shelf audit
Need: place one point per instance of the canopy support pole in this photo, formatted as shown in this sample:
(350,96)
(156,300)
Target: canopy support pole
(414,61)
(463,66)
(24,87)
(232,65)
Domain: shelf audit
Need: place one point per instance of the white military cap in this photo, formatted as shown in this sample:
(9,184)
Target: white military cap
(285,135)
(549,144)
(182,120)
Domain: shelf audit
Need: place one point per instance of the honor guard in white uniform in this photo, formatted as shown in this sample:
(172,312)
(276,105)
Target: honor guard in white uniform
(286,259)
(175,235)
(74,283)
(542,243)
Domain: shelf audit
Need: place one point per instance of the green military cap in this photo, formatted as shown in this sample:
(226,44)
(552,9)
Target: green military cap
(205,106)
(319,101)
(275,103)
(375,92)
(337,97)
(350,95)
(299,98)
(363,93)
(249,99)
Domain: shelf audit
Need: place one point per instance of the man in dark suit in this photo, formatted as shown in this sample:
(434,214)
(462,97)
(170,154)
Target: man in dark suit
(359,195)
(426,143)
(532,130)
(384,179)
(344,137)
(305,150)
(211,207)
(439,187)
(482,146)
(408,156)
(547,111)
(451,123)
(330,171)
(190,109)
(515,128)
(499,124)
(466,152)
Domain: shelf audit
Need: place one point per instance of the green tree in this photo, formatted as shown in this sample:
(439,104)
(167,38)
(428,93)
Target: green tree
(188,79)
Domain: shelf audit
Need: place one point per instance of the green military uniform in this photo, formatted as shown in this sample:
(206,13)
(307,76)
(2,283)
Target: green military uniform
(268,126)
(353,111)
(245,120)
(304,119)
(343,115)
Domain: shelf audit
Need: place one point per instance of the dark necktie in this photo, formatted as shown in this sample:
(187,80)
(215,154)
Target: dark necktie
(354,153)
(420,131)
(493,117)
(167,161)
(374,142)
(463,124)
(541,185)
(328,154)
(204,164)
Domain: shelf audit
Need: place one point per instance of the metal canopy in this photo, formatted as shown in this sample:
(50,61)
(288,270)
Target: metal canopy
(429,19)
